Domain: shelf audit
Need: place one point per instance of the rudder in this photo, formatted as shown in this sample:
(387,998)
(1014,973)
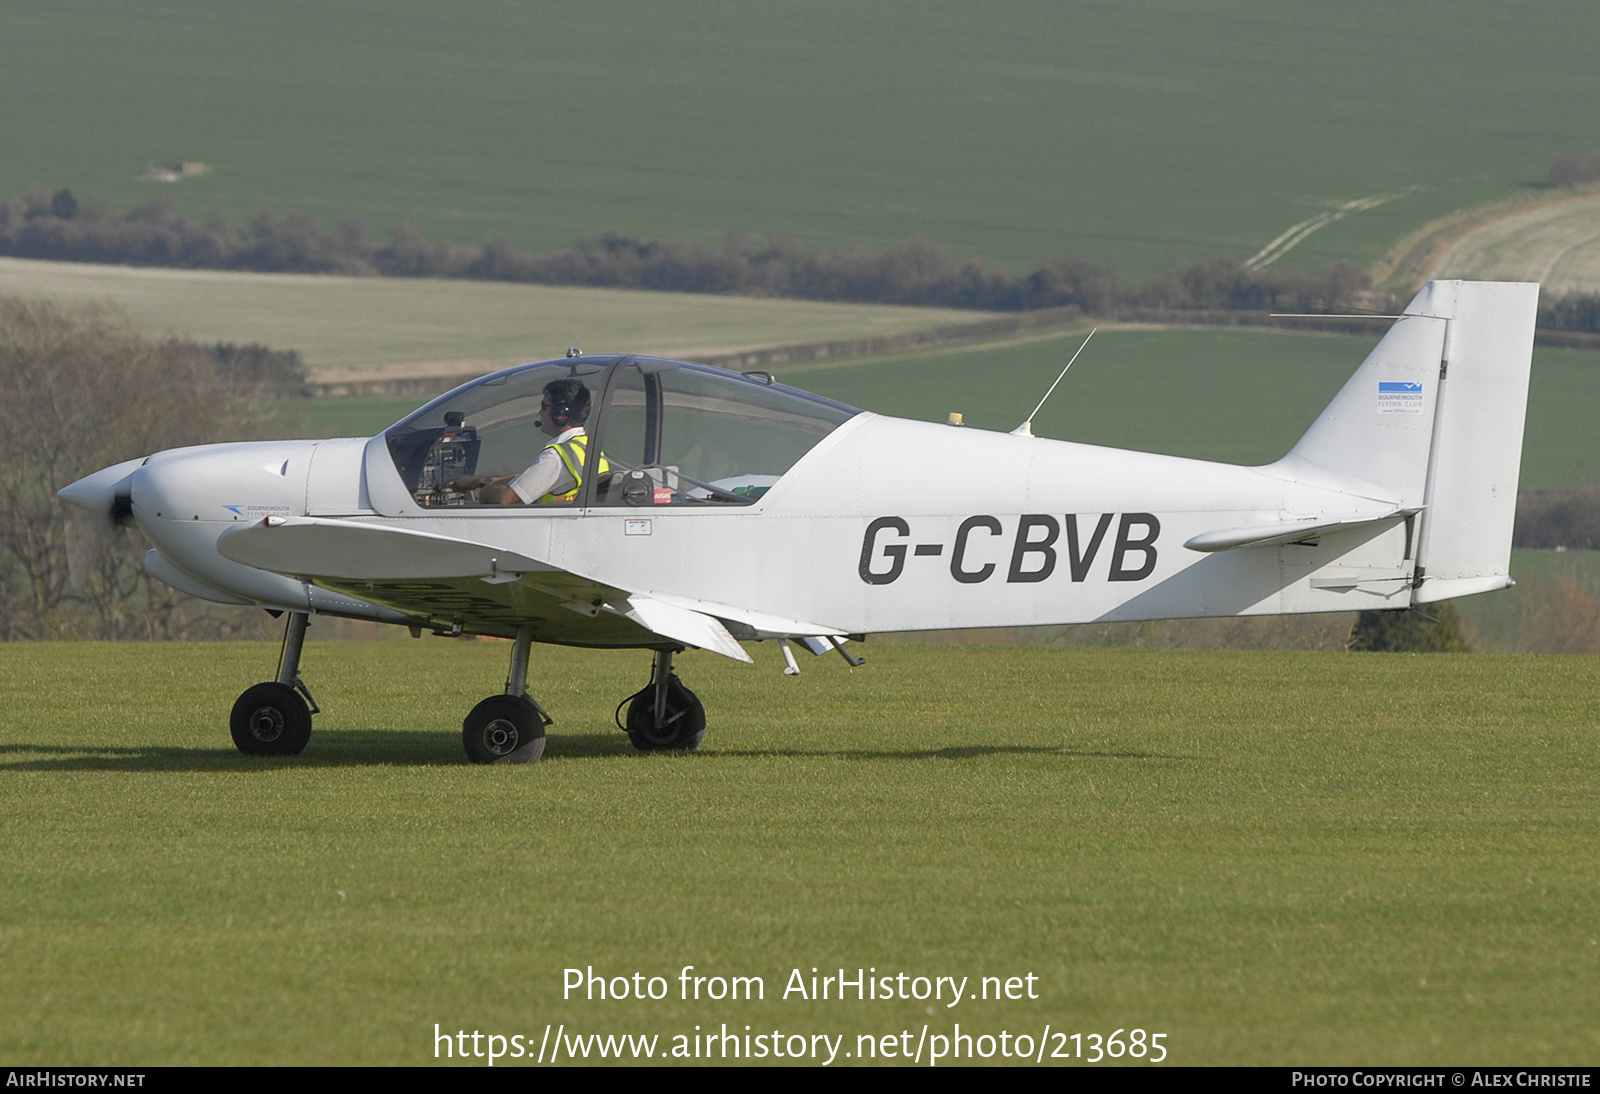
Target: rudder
(1471,502)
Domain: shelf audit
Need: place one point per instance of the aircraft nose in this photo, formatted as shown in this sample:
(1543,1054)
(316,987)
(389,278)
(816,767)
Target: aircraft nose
(223,483)
(107,493)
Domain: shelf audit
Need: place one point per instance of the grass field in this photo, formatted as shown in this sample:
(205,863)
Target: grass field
(1236,396)
(360,326)
(1338,858)
(1007,131)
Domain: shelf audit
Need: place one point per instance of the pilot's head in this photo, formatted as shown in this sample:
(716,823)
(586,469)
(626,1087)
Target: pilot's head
(566,404)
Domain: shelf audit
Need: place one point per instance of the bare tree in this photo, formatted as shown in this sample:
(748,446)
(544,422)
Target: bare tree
(83,390)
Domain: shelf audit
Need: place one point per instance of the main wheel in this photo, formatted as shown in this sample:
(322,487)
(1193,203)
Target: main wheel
(270,720)
(683,728)
(503,729)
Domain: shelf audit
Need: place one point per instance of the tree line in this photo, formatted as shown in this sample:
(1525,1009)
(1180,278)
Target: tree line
(59,226)
(1578,311)
(84,390)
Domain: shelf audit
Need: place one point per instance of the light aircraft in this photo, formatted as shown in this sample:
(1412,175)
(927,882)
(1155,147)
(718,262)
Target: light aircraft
(716,508)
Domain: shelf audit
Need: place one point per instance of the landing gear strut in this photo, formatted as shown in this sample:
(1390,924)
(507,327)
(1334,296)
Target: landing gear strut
(509,728)
(666,716)
(274,719)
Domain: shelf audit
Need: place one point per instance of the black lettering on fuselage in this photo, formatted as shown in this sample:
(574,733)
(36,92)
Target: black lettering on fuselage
(1125,544)
(894,552)
(958,556)
(1133,556)
(1026,545)
(1080,563)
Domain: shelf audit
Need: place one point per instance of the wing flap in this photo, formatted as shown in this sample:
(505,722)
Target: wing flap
(682,625)
(764,624)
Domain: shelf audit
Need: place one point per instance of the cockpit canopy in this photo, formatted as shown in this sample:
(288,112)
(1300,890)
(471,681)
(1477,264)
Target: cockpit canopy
(661,433)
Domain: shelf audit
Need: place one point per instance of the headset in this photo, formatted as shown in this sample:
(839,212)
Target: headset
(566,407)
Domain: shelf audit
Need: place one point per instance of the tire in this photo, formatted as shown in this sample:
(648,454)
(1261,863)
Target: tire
(270,719)
(503,729)
(685,724)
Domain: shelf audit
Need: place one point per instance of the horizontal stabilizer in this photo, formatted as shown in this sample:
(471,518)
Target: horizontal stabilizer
(1282,532)
(682,625)
(320,547)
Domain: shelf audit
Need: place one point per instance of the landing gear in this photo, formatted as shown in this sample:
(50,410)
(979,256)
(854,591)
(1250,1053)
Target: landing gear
(504,729)
(509,728)
(274,719)
(270,720)
(666,716)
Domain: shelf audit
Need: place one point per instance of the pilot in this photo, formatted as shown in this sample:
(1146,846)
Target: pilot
(557,472)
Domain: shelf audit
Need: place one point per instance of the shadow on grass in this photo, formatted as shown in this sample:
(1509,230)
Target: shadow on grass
(595,744)
(331,748)
(958,752)
(411,748)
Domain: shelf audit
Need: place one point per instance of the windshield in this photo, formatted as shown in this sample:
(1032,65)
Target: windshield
(488,431)
(681,434)
(664,433)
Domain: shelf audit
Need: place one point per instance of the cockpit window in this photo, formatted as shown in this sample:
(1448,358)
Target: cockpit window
(651,432)
(681,434)
(488,432)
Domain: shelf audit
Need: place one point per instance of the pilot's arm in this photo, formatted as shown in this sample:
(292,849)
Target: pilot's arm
(545,475)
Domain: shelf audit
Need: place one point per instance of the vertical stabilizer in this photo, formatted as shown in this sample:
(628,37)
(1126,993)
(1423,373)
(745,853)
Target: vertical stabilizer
(1379,428)
(1432,420)
(1471,502)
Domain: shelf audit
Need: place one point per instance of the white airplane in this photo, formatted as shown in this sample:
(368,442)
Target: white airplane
(702,508)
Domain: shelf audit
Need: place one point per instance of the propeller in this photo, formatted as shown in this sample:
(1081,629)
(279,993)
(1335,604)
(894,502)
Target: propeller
(107,493)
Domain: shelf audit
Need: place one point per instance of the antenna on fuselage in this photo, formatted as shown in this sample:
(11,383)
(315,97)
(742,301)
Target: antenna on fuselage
(1026,428)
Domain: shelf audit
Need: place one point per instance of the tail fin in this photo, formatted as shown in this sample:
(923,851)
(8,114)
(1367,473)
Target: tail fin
(1465,544)
(1433,419)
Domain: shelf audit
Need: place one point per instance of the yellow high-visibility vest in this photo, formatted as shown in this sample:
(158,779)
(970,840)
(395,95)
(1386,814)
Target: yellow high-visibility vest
(572,453)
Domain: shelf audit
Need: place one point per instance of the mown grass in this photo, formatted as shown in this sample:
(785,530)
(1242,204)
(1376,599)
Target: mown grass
(1272,858)
(1555,245)
(1009,132)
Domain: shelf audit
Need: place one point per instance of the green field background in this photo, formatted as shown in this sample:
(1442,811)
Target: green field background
(1008,131)
(1234,396)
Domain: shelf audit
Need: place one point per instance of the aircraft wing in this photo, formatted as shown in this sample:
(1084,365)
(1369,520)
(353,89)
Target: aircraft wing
(449,581)
(320,547)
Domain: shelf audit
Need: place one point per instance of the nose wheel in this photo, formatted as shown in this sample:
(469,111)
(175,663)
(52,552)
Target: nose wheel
(665,716)
(274,718)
